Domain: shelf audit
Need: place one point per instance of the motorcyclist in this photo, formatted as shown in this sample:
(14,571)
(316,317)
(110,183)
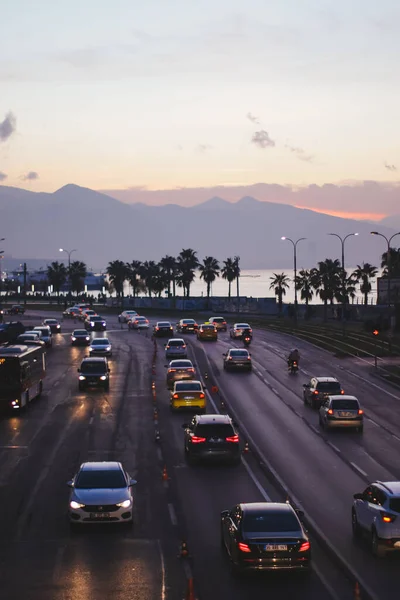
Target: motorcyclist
(294,356)
(247,333)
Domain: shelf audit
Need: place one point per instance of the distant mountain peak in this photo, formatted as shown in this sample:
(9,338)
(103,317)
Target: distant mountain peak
(248,201)
(214,203)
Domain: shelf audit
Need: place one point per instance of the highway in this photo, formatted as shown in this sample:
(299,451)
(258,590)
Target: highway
(40,450)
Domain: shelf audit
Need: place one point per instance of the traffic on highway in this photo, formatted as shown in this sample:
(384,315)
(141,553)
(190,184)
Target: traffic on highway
(151,459)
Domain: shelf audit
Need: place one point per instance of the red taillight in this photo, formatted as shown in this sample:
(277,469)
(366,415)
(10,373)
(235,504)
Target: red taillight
(249,358)
(202,396)
(388,518)
(342,391)
(190,370)
(304,547)
(315,392)
(176,396)
(171,370)
(243,547)
(330,411)
(184,346)
(167,346)
(197,440)
(157,329)
(360,412)
(230,358)
(224,323)
(233,438)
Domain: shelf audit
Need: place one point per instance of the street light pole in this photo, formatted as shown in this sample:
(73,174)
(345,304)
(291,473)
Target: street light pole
(237,259)
(1,267)
(69,252)
(388,240)
(294,269)
(342,241)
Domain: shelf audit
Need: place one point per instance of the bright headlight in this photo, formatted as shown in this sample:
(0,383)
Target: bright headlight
(124,504)
(103,377)
(82,377)
(75,505)
(87,339)
(73,339)
(108,348)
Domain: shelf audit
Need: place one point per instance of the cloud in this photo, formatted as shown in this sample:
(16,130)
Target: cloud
(7,127)
(253,119)
(3,176)
(300,153)
(30,176)
(203,148)
(390,167)
(261,138)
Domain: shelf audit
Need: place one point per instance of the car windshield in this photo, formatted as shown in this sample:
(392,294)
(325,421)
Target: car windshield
(93,367)
(270,521)
(96,480)
(100,342)
(176,343)
(188,387)
(394,504)
(239,353)
(180,364)
(96,319)
(80,332)
(329,386)
(345,404)
(51,321)
(243,326)
(219,430)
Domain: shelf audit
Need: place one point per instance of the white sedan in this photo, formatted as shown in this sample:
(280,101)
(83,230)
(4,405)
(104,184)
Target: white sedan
(126,315)
(138,323)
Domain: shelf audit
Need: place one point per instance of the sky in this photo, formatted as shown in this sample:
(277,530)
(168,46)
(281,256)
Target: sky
(128,96)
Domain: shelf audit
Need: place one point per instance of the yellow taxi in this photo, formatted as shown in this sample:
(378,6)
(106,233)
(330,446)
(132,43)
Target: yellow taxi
(207,331)
(188,394)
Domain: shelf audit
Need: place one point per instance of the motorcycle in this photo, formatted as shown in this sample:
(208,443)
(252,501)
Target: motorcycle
(293,367)
(246,340)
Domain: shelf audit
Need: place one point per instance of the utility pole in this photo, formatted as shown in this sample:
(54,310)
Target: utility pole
(25,274)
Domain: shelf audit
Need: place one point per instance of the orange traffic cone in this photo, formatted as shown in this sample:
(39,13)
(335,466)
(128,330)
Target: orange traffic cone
(155,414)
(184,550)
(190,590)
(357,591)
(165,474)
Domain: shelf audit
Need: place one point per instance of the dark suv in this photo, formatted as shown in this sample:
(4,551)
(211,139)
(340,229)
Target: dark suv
(94,372)
(10,331)
(319,388)
(95,323)
(212,437)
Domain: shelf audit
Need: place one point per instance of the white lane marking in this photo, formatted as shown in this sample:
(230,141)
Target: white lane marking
(162,561)
(188,570)
(14,447)
(58,564)
(172,514)
(325,583)
(275,391)
(165,484)
(396,437)
(334,447)
(159,454)
(358,469)
(91,421)
(373,422)
(378,387)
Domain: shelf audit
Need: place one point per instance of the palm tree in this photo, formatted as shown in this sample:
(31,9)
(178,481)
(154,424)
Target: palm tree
(133,275)
(77,272)
(229,272)
(280,283)
(304,285)
(327,281)
(187,263)
(57,275)
(364,273)
(237,274)
(150,273)
(169,267)
(394,257)
(209,271)
(118,272)
(348,283)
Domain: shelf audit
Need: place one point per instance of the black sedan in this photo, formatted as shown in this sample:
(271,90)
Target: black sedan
(80,337)
(163,328)
(265,536)
(54,325)
(95,323)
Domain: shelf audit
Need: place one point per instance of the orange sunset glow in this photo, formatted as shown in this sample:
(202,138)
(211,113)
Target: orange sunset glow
(347,215)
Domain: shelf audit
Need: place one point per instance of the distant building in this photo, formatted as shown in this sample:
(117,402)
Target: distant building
(383,290)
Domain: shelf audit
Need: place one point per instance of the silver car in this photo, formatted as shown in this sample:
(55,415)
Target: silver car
(237,359)
(237,330)
(179,370)
(101,492)
(126,315)
(176,348)
(46,334)
(100,347)
(341,411)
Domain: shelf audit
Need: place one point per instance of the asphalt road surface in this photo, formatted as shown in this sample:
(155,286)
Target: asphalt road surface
(40,449)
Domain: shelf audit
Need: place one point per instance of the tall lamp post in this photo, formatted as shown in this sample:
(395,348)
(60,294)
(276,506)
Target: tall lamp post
(294,269)
(342,241)
(69,252)
(1,266)
(236,262)
(388,240)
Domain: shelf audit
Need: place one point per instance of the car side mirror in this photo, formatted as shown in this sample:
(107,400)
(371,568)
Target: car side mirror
(224,514)
(132,482)
(358,496)
(70,483)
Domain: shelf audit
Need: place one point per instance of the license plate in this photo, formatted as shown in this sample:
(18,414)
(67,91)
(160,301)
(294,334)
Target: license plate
(345,414)
(275,547)
(216,440)
(188,398)
(100,515)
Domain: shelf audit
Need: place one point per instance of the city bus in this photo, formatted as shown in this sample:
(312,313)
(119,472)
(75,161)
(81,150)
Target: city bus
(22,370)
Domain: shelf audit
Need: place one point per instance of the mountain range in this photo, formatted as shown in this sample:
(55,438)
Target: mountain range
(102,228)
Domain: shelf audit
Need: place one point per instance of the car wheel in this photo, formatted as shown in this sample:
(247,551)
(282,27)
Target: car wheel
(376,547)
(354,524)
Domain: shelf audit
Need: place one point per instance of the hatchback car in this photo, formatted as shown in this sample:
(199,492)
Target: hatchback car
(100,347)
(207,331)
(179,370)
(211,437)
(126,315)
(101,492)
(80,337)
(376,512)
(219,323)
(175,348)
(237,359)
(187,326)
(94,372)
(46,334)
(319,388)
(29,339)
(237,330)
(162,328)
(138,323)
(54,325)
(95,323)
(265,536)
(188,394)
(341,411)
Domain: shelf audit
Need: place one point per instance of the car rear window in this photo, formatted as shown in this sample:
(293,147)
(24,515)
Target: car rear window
(218,319)
(243,326)
(239,353)
(164,324)
(219,430)
(270,521)
(345,404)
(100,480)
(180,364)
(331,387)
(394,504)
(188,321)
(207,327)
(43,330)
(176,343)
(188,387)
